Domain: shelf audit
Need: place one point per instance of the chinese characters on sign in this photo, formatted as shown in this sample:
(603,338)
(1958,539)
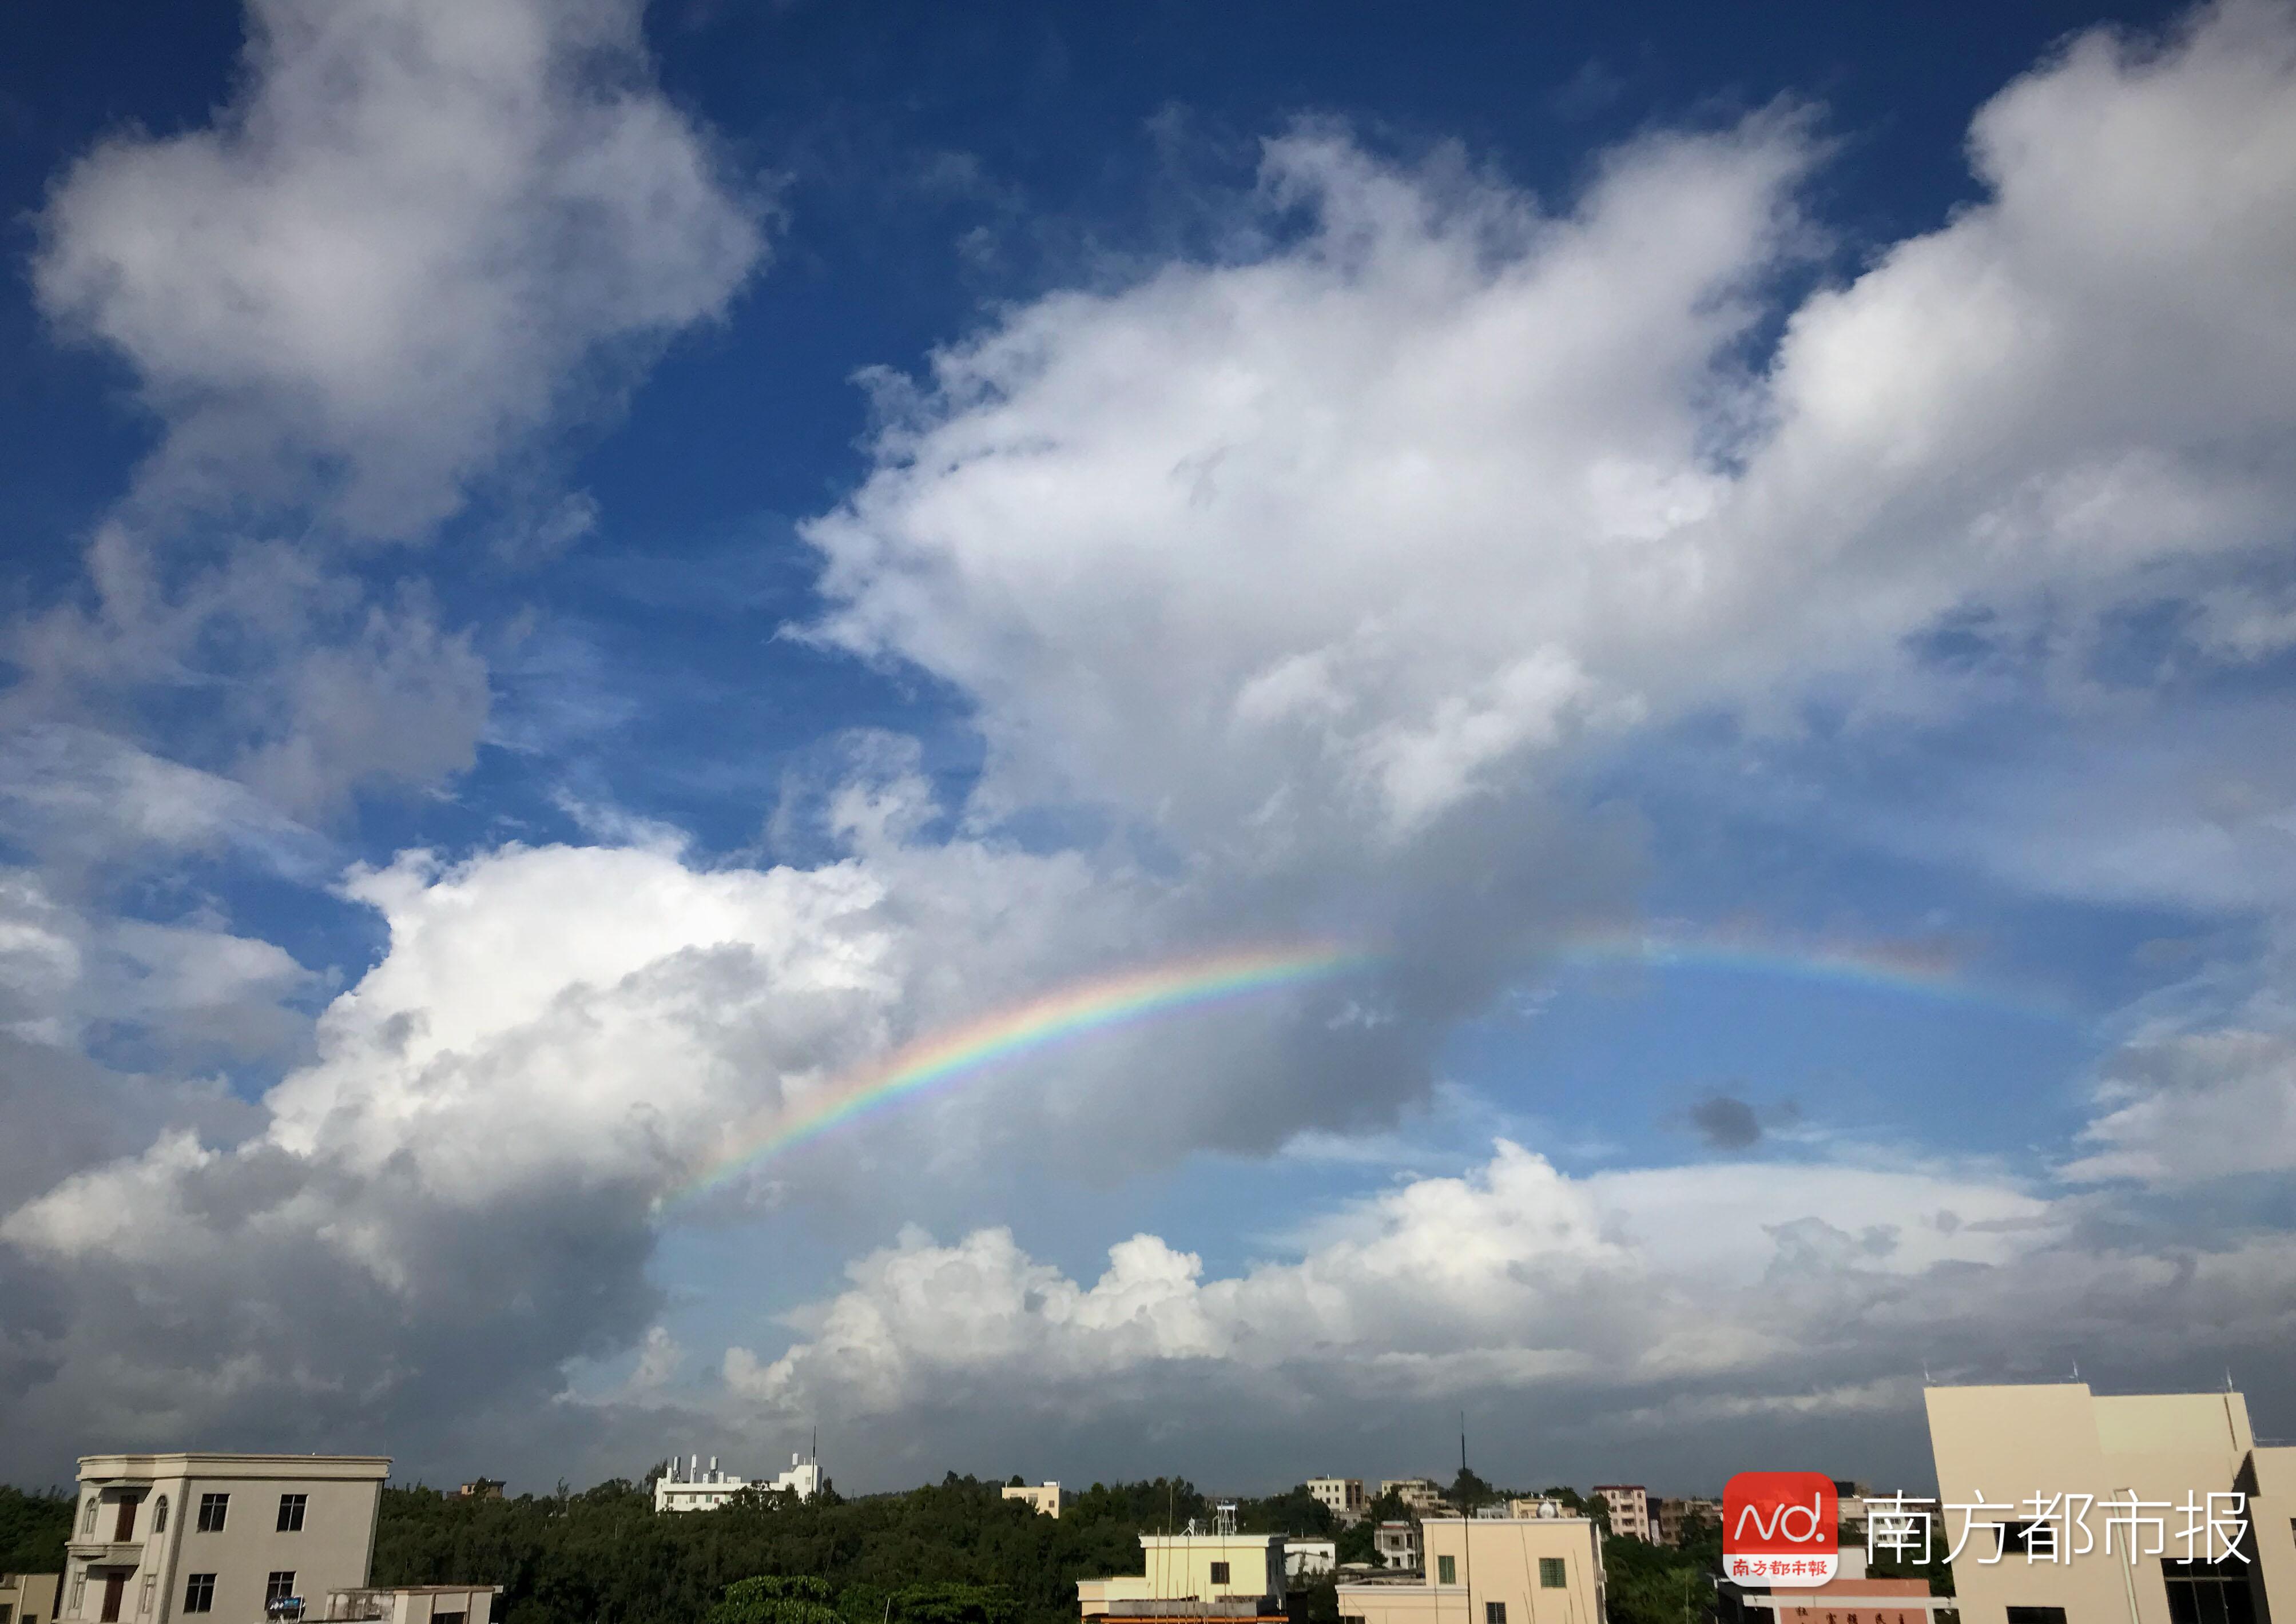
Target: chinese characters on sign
(2057,1527)
(1780,1528)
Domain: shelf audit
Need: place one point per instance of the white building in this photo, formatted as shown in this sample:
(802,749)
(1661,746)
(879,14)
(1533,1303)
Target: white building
(243,1537)
(1343,1496)
(1398,1545)
(1310,1558)
(691,1486)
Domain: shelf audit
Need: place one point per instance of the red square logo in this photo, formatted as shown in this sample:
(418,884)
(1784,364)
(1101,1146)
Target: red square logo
(1779,1529)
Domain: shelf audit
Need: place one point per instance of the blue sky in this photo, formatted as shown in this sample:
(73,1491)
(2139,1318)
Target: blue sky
(579,575)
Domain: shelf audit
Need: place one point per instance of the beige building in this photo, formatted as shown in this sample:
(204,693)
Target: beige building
(29,1598)
(1418,1494)
(1485,1571)
(1629,1507)
(1236,1577)
(218,1539)
(1046,1500)
(1343,1496)
(1672,1517)
(2043,1465)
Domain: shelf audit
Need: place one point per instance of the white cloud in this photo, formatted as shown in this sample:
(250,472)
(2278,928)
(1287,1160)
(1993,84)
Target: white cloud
(1762,1286)
(396,251)
(2178,1109)
(1446,485)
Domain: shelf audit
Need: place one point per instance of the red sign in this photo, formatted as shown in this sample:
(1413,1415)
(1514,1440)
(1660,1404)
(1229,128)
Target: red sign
(1779,1529)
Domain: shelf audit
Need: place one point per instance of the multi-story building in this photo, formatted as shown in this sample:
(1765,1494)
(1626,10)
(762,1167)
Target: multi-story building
(29,1598)
(2046,1493)
(691,1486)
(1418,1494)
(1522,1571)
(1237,1578)
(1396,1545)
(1343,1496)
(1628,1507)
(1673,1515)
(239,1537)
(1046,1500)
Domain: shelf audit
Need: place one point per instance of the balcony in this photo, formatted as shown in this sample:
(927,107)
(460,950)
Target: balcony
(107,1553)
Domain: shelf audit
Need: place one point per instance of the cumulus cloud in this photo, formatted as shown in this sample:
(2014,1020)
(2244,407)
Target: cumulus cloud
(1449,484)
(2196,1105)
(395,254)
(1760,1285)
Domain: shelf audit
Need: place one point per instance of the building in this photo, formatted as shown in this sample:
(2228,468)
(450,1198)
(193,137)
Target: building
(1046,1500)
(1398,1545)
(1238,1579)
(1523,1571)
(241,1536)
(412,1605)
(1310,1558)
(691,1486)
(1672,1516)
(29,1598)
(1343,1496)
(481,1489)
(1418,1494)
(1628,1507)
(2050,1461)
(1537,1505)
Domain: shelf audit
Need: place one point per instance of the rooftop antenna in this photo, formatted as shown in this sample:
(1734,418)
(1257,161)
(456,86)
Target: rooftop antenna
(2075,1370)
(1463,1443)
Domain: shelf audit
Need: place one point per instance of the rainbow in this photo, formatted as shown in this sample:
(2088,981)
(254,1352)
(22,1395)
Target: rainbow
(1058,1016)
(1919,970)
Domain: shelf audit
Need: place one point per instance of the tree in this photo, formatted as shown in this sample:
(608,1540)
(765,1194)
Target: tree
(33,1530)
(1358,1542)
(798,1599)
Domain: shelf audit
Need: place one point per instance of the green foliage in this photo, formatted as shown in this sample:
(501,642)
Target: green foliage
(799,1599)
(1657,1584)
(1359,1542)
(1468,1491)
(1294,1512)
(955,1552)
(33,1530)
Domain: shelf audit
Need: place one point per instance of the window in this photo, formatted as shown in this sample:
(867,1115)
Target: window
(2037,1615)
(290,1513)
(1447,1570)
(87,1522)
(1493,1613)
(212,1507)
(6,1612)
(1220,1573)
(2017,1539)
(198,1593)
(1552,1574)
(2209,1592)
(80,1591)
(144,1600)
(159,1515)
(447,1618)
(280,1589)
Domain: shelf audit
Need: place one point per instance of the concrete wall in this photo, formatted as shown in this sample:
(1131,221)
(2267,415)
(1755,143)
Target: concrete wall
(30,1598)
(332,1551)
(2010,1443)
(1492,1560)
(1178,1567)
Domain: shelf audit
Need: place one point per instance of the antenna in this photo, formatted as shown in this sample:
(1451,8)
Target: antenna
(1463,1443)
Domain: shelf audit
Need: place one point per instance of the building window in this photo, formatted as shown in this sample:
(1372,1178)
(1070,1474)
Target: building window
(290,1513)
(2017,1539)
(1554,1576)
(2209,1592)
(144,1600)
(1493,1613)
(1220,1573)
(87,1522)
(447,1618)
(1447,1570)
(212,1508)
(2037,1615)
(80,1591)
(198,1593)
(159,1515)
(279,1590)
(6,1612)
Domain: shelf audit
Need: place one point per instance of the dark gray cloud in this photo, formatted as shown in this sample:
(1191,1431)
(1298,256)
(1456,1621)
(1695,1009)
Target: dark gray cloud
(1726,1122)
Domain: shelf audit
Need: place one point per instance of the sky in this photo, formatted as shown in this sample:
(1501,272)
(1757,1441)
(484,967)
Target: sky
(1136,739)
